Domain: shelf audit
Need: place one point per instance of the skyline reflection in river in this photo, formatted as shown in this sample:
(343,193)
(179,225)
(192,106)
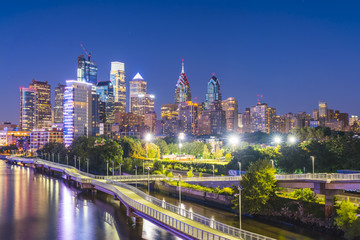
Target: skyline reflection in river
(36,206)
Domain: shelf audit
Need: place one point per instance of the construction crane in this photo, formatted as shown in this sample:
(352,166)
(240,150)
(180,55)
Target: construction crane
(87,54)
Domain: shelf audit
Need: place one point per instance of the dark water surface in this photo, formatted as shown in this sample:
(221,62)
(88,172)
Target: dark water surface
(34,206)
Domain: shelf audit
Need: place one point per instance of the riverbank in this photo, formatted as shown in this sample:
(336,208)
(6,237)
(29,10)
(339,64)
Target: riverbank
(290,213)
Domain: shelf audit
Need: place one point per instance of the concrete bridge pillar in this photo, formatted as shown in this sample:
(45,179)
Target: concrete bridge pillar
(329,201)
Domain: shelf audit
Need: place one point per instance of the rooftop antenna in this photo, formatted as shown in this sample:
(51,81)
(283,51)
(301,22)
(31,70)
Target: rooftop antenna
(87,54)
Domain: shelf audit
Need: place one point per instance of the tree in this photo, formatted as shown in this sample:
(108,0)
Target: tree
(162,146)
(305,194)
(206,153)
(218,153)
(190,173)
(258,185)
(153,150)
(346,215)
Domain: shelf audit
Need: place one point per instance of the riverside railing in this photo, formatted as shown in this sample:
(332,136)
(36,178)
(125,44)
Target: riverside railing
(221,227)
(320,176)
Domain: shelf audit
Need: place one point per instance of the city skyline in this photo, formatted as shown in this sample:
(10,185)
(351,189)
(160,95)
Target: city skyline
(310,53)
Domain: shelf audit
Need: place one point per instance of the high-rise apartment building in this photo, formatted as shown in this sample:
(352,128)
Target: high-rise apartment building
(28,108)
(170,125)
(213,91)
(77,110)
(44,103)
(59,103)
(263,118)
(230,106)
(117,78)
(169,111)
(188,117)
(182,89)
(150,121)
(213,120)
(315,115)
(138,86)
(87,70)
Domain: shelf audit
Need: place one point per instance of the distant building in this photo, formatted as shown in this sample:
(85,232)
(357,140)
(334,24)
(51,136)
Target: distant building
(10,137)
(260,118)
(140,102)
(28,108)
(213,117)
(213,91)
(323,112)
(105,90)
(182,89)
(245,122)
(150,121)
(59,103)
(129,122)
(170,125)
(188,117)
(39,138)
(230,106)
(335,125)
(117,78)
(8,126)
(77,110)
(87,70)
(315,115)
(43,90)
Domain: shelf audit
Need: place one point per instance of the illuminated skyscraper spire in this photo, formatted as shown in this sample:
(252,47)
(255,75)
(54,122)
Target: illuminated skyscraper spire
(182,89)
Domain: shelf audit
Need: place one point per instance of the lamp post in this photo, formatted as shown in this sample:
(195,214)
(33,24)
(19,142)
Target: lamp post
(136,175)
(163,169)
(143,167)
(58,157)
(313,164)
(87,165)
(79,162)
(120,170)
(239,168)
(239,188)
(107,168)
(53,157)
(113,168)
(75,161)
(148,138)
(181,137)
(180,189)
(213,170)
(272,163)
(67,159)
(234,140)
(148,168)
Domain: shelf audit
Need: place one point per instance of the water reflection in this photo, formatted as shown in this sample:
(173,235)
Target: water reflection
(36,206)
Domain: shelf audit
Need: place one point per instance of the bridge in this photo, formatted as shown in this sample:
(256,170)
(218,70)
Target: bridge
(179,221)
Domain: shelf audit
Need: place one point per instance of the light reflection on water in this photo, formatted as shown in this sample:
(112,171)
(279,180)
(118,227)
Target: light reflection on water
(36,206)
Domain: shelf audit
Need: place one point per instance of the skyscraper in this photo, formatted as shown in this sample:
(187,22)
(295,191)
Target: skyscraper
(188,116)
(182,89)
(28,108)
(59,103)
(44,103)
(323,112)
(117,78)
(230,106)
(140,102)
(263,118)
(106,94)
(77,110)
(87,70)
(213,91)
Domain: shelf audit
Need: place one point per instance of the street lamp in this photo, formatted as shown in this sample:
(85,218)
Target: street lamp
(277,140)
(120,170)
(239,188)
(272,163)
(75,160)
(67,159)
(180,189)
(292,139)
(313,163)
(234,140)
(58,157)
(148,168)
(87,165)
(148,138)
(113,167)
(181,137)
(239,163)
(163,169)
(53,157)
(213,170)
(107,168)
(136,175)
(143,167)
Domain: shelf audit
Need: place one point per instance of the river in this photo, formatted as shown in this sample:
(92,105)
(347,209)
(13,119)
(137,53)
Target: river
(36,206)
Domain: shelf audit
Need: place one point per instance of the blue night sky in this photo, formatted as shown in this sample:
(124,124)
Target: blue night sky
(294,52)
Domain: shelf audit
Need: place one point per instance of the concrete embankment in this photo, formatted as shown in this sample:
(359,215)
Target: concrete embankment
(221,201)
